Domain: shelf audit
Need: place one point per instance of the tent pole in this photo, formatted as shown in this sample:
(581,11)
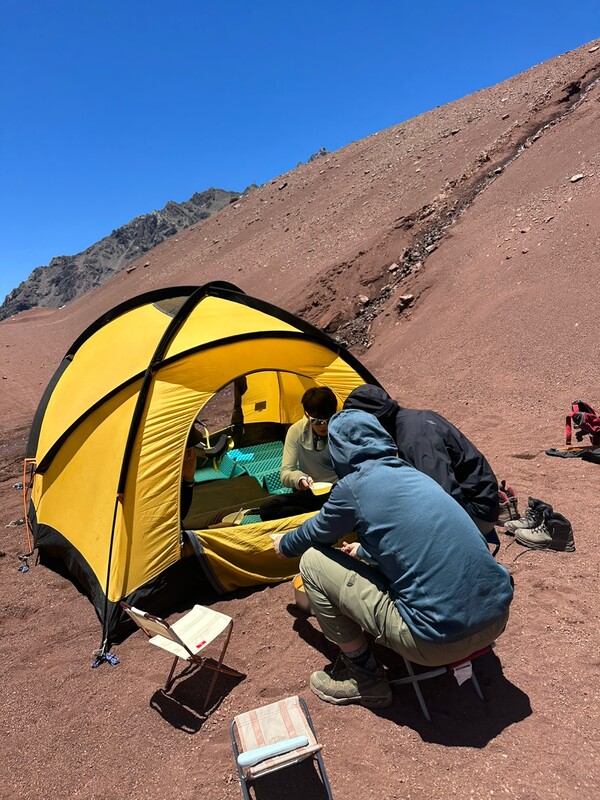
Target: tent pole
(105,642)
(136,419)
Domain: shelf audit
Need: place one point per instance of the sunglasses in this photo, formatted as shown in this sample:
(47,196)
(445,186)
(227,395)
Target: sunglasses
(317,420)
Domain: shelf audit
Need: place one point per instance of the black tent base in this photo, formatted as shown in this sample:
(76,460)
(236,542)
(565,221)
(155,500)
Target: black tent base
(174,590)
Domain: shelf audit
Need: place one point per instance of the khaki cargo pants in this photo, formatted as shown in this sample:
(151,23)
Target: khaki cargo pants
(349,597)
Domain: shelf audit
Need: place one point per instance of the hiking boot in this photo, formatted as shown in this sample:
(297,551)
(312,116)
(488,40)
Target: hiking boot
(351,684)
(554,533)
(534,516)
(507,503)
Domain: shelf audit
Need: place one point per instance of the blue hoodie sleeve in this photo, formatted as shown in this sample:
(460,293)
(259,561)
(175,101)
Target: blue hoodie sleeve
(335,520)
(365,556)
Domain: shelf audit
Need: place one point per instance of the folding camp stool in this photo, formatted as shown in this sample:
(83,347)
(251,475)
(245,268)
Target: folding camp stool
(274,737)
(187,638)
(463,670)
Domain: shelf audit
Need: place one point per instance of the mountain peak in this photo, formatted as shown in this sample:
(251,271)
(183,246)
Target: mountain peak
(68,277)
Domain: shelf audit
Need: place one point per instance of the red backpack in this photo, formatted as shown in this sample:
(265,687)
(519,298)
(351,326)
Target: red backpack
(586,422)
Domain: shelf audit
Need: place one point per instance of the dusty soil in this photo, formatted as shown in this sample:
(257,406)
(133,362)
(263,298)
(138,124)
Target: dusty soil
(498,246)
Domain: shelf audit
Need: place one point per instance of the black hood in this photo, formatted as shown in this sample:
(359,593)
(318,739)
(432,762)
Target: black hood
(356,437)
(374,400)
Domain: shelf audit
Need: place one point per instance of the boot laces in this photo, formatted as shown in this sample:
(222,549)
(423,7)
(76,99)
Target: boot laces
(340,669)
(531,515)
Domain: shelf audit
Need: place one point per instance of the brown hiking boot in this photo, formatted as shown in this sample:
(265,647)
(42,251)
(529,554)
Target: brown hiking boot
(554,533)
(351,684)
(507,503)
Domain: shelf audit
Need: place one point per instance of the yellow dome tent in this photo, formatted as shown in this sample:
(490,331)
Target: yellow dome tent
(109,436)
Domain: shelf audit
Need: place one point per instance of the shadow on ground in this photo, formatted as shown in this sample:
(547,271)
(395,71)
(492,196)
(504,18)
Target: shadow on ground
(459,717)
(298,782)
(183,706)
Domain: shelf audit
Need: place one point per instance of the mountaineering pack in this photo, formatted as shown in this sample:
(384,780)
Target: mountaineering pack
(585,420)
(586,423)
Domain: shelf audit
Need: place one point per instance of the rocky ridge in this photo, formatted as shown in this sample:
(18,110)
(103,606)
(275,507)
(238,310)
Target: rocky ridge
(68,277)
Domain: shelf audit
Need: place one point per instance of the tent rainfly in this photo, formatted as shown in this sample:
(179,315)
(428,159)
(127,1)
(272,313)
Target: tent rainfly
(109,436)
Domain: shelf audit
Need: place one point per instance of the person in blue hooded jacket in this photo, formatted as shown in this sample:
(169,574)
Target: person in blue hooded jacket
(420,579)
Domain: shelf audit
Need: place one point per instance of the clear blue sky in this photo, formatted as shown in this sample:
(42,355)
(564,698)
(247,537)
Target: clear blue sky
(110,109)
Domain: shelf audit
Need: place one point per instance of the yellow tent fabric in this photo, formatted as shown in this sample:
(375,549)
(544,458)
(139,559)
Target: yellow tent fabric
(109,435)
(256,562)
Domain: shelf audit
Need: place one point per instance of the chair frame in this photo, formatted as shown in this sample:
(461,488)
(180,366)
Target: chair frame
(246,781)
(168,632)
(415,677)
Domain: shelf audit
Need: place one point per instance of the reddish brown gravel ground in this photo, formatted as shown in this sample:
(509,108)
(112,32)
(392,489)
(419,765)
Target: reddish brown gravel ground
(501,334)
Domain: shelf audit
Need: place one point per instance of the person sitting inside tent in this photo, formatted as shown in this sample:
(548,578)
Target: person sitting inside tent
(430,589)
(197,453)
(436,447)
(305,458)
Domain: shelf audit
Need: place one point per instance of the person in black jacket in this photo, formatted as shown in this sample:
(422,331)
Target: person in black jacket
(433,445)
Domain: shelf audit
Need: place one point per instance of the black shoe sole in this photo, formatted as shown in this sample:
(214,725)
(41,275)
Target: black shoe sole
(550,546)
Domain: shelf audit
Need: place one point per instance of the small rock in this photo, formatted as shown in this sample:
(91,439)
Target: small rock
(130,269)
(454,131)
(362,298)
(593,49)
(430,248)
(508,256)
(392,267)
(548,219)
(498,170)
(404,302)
(525,250)
(282,185)
(578,177)
(505,116)
(147,264)
(525,230)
